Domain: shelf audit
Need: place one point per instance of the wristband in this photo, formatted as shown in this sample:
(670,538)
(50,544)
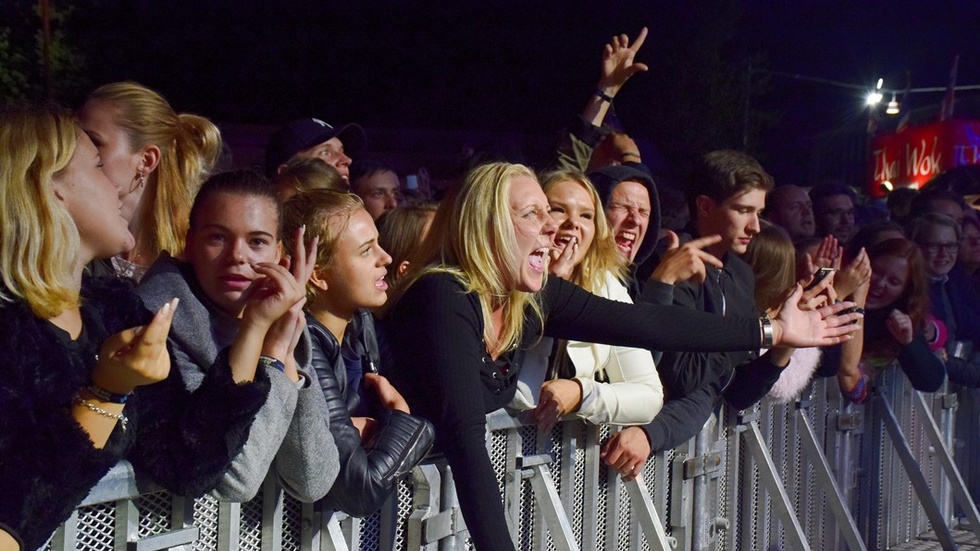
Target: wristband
(106,396)
(603,96)
(269,361)
(630,154)
(767,334)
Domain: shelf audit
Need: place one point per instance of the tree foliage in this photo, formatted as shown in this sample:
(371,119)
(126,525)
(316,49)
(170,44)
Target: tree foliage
(22,64)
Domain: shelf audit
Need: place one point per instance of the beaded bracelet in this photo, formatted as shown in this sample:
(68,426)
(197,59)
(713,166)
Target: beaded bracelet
(123,420)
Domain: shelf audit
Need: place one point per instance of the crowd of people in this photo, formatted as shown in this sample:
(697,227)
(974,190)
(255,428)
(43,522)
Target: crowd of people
(321,323)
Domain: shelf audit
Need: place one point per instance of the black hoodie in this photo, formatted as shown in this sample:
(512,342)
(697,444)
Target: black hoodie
(605,180)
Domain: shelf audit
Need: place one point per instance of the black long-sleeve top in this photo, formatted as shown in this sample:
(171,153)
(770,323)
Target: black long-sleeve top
(696,381)
(924,370)
(447,376)
(182,440)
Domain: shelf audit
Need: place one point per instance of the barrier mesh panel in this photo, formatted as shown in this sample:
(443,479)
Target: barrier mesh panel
(402,511)
(206,517)
(370,532)
(498,456)
(579,474)
(251,525)
(96,526)
(728,497)
(603,538)
(292,524)
(154,512)
(885,504)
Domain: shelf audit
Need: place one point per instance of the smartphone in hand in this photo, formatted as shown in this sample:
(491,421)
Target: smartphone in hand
(819,276)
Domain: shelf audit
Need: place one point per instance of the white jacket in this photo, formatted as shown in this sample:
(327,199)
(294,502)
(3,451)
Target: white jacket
(634,393)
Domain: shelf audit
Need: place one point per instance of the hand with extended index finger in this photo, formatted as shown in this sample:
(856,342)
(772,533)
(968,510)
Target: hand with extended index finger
(303,261)
(137,356)
(684,262)
(618,63)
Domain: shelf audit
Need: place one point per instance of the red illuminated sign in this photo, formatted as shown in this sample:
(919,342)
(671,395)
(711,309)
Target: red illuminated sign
(916,155)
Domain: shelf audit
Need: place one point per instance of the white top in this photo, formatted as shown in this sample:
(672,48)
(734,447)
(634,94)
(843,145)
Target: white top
(634,393)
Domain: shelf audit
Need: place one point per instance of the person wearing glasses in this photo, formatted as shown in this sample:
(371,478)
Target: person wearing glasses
(954,301)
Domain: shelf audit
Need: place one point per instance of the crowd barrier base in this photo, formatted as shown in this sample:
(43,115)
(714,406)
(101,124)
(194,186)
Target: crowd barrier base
(816,474)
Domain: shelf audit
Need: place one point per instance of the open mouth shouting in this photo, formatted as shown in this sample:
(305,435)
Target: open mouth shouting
(538,259)
(626,242)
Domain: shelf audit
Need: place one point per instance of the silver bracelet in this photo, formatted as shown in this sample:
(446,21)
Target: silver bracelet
(94,408)
(767,334)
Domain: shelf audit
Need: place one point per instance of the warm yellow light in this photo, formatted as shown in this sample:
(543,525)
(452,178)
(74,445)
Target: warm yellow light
(887,186)
(892,108)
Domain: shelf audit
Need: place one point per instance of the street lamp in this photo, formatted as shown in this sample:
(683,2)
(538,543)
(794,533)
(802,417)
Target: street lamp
(892,108)
(874,97)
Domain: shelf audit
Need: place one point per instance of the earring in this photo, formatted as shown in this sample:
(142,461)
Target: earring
(139,181)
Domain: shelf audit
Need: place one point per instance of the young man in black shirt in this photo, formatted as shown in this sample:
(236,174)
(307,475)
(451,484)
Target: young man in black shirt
(726,194)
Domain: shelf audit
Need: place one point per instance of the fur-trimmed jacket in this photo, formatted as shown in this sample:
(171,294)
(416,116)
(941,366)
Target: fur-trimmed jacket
(183,440)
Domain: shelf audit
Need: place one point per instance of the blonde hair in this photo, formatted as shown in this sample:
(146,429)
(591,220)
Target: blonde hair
(189,147)
(326,214)
(773,259)
(472,234)
(303,174)
(39,242)
(401,232)
(602,257)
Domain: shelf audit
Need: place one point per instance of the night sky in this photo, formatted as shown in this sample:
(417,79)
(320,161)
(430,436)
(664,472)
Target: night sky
(529,66)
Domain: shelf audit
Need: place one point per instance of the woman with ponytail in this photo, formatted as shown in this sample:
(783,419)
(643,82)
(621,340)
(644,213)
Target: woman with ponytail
(158,158)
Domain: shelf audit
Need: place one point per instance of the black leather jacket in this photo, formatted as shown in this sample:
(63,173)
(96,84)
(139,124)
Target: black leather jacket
(367,472)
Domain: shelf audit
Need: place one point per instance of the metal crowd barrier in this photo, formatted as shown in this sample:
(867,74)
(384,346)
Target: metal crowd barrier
(815,474)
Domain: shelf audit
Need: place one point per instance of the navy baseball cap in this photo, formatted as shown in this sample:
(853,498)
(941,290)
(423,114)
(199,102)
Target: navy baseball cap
(302,134)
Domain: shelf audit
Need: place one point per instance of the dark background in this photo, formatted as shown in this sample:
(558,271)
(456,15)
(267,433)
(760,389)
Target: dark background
(519,67)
